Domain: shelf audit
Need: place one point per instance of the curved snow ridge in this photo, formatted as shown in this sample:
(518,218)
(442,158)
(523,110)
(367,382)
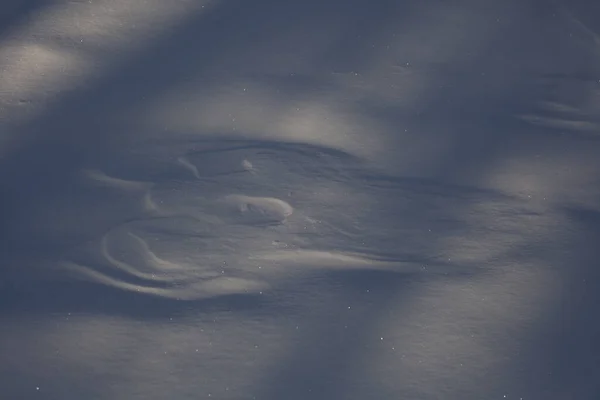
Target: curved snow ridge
(332,260)
(155,276)
(211,165)
(195,290)
(328,259)
(259,209)
(101,178)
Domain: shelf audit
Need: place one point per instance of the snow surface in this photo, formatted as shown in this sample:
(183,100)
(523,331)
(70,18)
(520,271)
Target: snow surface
(311,199)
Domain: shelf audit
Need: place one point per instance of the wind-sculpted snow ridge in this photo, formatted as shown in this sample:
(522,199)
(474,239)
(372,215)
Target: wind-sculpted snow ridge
(243,217)
(568,105)
(150,274)
(259,209)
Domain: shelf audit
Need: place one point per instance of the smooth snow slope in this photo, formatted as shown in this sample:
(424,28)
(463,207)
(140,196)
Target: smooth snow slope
(302,200)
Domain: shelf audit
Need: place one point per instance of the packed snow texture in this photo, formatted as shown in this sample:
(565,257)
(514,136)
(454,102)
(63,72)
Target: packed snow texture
(299,200)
